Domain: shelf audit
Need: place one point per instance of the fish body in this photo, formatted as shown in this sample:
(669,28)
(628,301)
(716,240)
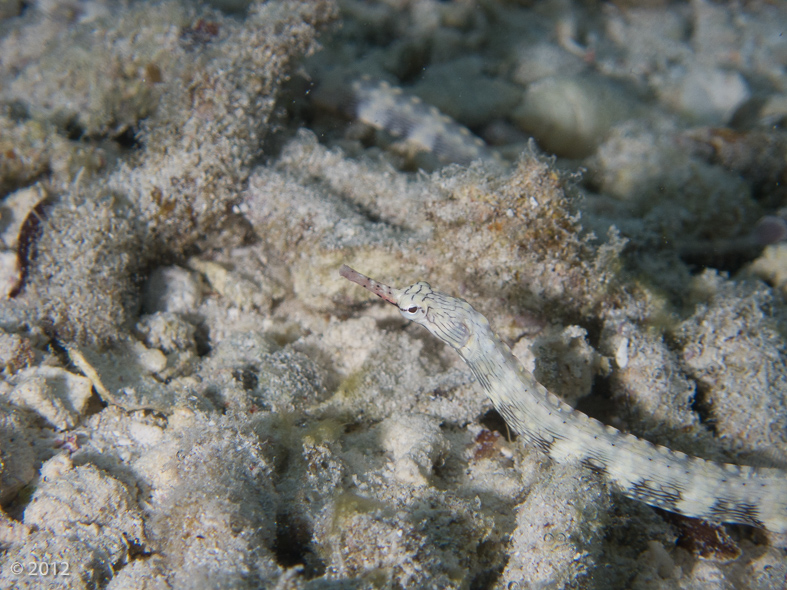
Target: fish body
(639,469)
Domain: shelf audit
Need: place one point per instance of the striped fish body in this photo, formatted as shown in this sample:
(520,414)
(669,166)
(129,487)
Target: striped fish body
(641,470)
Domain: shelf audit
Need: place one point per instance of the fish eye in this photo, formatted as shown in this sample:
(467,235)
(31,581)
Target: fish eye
(412,309)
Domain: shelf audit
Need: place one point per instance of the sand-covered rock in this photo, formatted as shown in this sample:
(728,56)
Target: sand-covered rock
(191,396)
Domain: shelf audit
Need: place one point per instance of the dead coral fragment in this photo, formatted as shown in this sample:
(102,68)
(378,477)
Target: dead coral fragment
(81,278)
(96,78)
(124,375)
(533,245)
(570,116)
(198,148)
(16,353)
(759,156)
(239,289)
(559,529)
(17,458)
(200,144)
(81,516)
(220,498)
(55,394)
(62,502)
(422,128)
(733,347)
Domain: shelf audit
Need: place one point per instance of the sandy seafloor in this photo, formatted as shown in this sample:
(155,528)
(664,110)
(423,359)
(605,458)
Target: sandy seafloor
(192,397)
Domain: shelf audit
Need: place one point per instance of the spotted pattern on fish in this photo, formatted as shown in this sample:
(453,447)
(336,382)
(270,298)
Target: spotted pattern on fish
(650,473)
(420,126)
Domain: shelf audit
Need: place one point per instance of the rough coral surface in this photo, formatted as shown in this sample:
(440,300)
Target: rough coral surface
(740,329)
(192,397)
(203,129)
